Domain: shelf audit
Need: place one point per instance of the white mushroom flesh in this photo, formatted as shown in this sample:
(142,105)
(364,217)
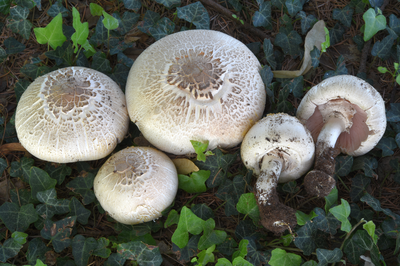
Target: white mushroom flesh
(136,184)
(195,85)
(71,114)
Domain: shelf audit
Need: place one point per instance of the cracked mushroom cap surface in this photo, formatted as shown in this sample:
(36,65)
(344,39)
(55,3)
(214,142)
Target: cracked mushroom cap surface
(198,85)
(365,121)
(136,184)
(71,114)
(283,135)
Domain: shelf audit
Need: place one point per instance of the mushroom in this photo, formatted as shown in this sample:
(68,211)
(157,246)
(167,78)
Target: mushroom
(136,184)
(71,114)
(278,149)
(344,114)
(198,85)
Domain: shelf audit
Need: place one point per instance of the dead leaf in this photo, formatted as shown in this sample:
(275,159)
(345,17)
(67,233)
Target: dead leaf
(185,166)
(10,147)
(315,37)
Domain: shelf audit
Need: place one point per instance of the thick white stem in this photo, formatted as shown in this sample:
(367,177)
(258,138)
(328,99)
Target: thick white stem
(330,133)
(267,181)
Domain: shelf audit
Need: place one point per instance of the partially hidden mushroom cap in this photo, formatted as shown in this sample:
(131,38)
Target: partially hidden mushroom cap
(136,184)
(282,135)
(71,114)
(195,85)
(363,112)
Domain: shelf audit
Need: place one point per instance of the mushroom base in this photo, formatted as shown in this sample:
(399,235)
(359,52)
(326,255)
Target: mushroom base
(319,182)
(275,216)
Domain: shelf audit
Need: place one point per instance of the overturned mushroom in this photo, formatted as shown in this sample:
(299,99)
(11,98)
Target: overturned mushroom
(344,114)
(71,114)
(136,184)
(195,85)
(278,149)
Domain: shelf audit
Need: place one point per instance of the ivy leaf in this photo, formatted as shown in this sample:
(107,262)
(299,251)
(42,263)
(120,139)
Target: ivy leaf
(51,205)
(101,63)
(17,218)
(306,21)
(188,223)
(109,21)
(294,6)
(382,49)
(13,46)
(376,205)
(203,211)
(169,3)
(10,248)
(283,105)
(246,229)
(195,13)
(343,165)
(362,239)
(359,184)
(82,249)
(230,191)
(370,228)
(39,180)
(374,22)
(290,187)
(58,171)
(100,35)
(326,256)
(218,165)
(367,164)
(144,254)
(17,21)
(134,5)
(343,15)
(256,257)
(58,232)
(149,20)
(62,54)
(210,236)
(289,43)
(101,249)
(34,71)
(269,55)
(52,34)
(120,75)
(305,239)
(195,183)
(77,209)
(336,34)
(118,45)
(5,8)
(247,205)
(81,30)
(395,164)
(58,8)
(326,222)
(83,186)
(126,22)
(236,5)
(393,115)
(342,212)
(262,17)
(303,218)
(162,28)
(280,257)
(340,68)
(387,145)
(36,251)
(353,251)
(394,23)
(190,250)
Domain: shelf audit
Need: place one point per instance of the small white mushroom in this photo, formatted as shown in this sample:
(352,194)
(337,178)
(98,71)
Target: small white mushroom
(71,114)
(344,114)
(278,149)
(195,85)
(136,184)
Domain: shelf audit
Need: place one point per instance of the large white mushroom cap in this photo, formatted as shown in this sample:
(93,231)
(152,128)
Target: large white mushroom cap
(136,184)
(366,121)
(195,85)
(71,114)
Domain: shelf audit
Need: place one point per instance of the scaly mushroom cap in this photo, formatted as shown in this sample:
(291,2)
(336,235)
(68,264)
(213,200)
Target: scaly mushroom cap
(279,134)
(352,98)
(71,114)
(136,184)
(195,85)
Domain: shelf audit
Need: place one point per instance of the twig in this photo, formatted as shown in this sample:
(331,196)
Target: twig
(248,27)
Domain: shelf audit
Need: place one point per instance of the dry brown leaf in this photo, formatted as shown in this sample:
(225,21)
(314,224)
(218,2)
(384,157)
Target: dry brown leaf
(10,147)
(185,166)
(315,37)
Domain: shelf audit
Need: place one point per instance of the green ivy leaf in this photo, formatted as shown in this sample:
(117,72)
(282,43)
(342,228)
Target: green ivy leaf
(82,249)
(306,237)
(289,43)
(101,63)
(353,251)
(9,249)
(78,210)
(367,164)
(58,232)
(188,223)
(342,212)
(393,115)
(36,251)
(343,15)
(255,256)
(52,34)
(51,205)
(144,254)
(3,165)
(210,236)
(101,249)
(340,68)
(13,46)
(290,187)
(195,13)
(230,191)
(359,184)
(96,10)
(395,164)
(134,5)
(169,3)
(5,8)
(190,250)
(246,229)
(326,256)
(376,205)
(34,71)
(374,22)
(370,228)
(382,49)
(58,171)
(58,8)
(280,257)
(303,218)
(306,21)
(162,28)
(394,23)
(242,250)
(262,17)
(362,239)
(326,222)
(294,6)
(126,22)
(195,183)
(150,19)
(315,55)
(109,21)
(81,30)
(269,55)
(62,54)
(17,218)
(115,259)
(200,148)
(39,180)
(336,34)
(247,205)
(343,164)
(283,105)
(17,21)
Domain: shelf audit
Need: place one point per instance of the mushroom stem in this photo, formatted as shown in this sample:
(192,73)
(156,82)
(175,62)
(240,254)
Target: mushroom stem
(319,182)
(275,216)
